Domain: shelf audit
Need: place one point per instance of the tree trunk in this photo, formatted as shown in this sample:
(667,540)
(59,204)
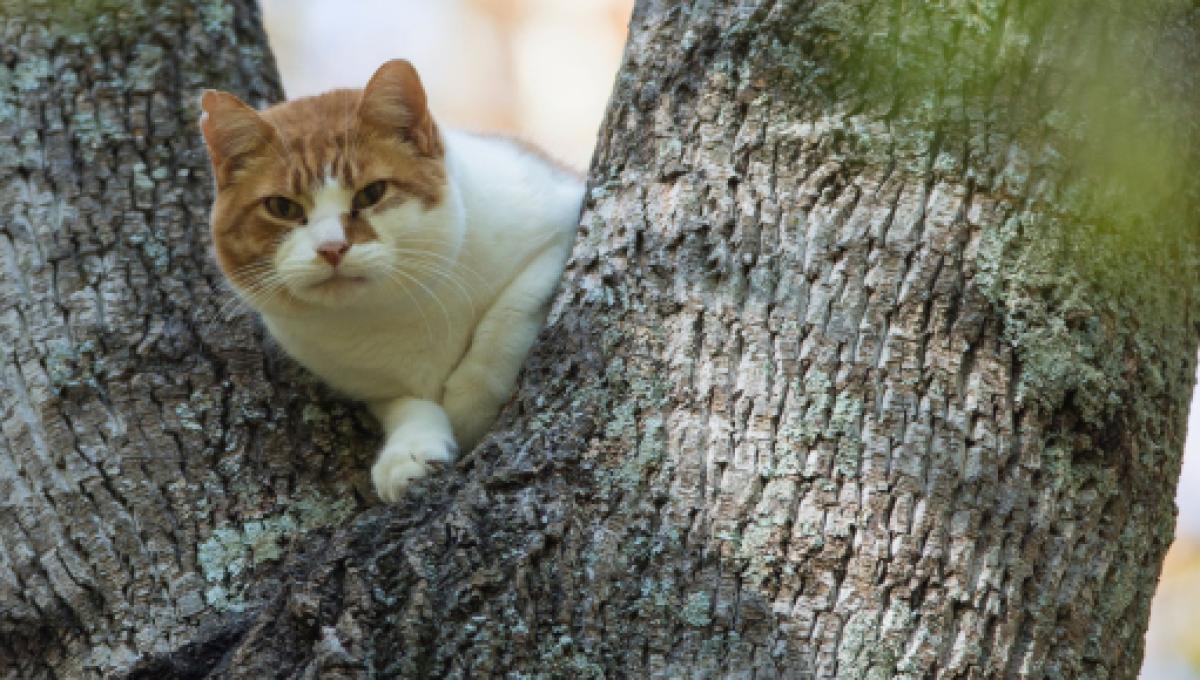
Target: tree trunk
(152,453)
(872,361)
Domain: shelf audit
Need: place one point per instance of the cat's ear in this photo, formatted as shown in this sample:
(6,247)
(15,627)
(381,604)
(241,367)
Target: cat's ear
(394,98)
(232,130)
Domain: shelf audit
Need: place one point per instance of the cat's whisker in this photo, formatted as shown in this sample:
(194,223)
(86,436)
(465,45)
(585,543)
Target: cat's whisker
(260,273)
(449,261)
(212,310)
(235,301)
(431,294)
(451,278)
(417,304)
(271,294)
(257,263)
(258,276)
(254,271)
(260,291)
(447,275)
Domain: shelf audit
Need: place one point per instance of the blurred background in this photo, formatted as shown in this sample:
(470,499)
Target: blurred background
(539,69)
(542,70)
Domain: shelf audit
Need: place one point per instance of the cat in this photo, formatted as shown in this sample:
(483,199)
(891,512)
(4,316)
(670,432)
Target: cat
(407,265)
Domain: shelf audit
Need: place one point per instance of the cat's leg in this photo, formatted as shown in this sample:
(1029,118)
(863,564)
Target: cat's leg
(484,378)
(418,433)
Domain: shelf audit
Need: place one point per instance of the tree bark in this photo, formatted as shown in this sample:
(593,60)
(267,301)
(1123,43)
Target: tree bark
(872,361)
(153,451)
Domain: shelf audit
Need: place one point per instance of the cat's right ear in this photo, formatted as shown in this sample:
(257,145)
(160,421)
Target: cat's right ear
(394,98)
(232,130)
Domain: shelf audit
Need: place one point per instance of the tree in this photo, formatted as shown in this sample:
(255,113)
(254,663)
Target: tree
(872,360)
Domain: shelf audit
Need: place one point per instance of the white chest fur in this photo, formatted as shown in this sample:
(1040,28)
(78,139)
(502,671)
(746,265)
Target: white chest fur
(511,209)
(380,358)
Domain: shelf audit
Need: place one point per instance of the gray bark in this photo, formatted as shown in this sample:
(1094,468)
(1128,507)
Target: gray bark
(153,453)
(869,363)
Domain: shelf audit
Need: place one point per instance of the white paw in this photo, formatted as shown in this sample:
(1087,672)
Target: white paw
(406,457)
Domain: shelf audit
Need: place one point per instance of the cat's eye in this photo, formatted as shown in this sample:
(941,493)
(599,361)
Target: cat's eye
(369,195)
(284,208)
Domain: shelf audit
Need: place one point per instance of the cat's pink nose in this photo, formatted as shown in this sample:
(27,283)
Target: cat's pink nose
(332,251)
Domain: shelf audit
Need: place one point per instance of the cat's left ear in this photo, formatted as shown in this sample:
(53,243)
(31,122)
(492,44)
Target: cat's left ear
(232,130)
(394,98)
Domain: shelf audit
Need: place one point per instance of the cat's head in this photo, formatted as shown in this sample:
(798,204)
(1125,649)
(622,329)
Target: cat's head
(322,201)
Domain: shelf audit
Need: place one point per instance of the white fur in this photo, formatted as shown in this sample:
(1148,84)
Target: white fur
(431,323)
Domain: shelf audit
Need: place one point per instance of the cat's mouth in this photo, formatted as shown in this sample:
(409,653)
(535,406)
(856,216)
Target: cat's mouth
(338,282)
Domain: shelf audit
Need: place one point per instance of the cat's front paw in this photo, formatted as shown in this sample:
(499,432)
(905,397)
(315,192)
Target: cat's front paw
(406,457)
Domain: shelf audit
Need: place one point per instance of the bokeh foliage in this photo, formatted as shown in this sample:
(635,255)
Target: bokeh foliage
(1083,117)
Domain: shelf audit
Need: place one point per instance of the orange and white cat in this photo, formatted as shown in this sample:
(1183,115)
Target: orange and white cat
(407,265)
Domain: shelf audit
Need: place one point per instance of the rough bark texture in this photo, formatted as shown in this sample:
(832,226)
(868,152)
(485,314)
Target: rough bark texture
(867,364)
(152,452)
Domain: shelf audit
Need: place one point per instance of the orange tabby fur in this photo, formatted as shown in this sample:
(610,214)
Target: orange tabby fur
(289,156)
